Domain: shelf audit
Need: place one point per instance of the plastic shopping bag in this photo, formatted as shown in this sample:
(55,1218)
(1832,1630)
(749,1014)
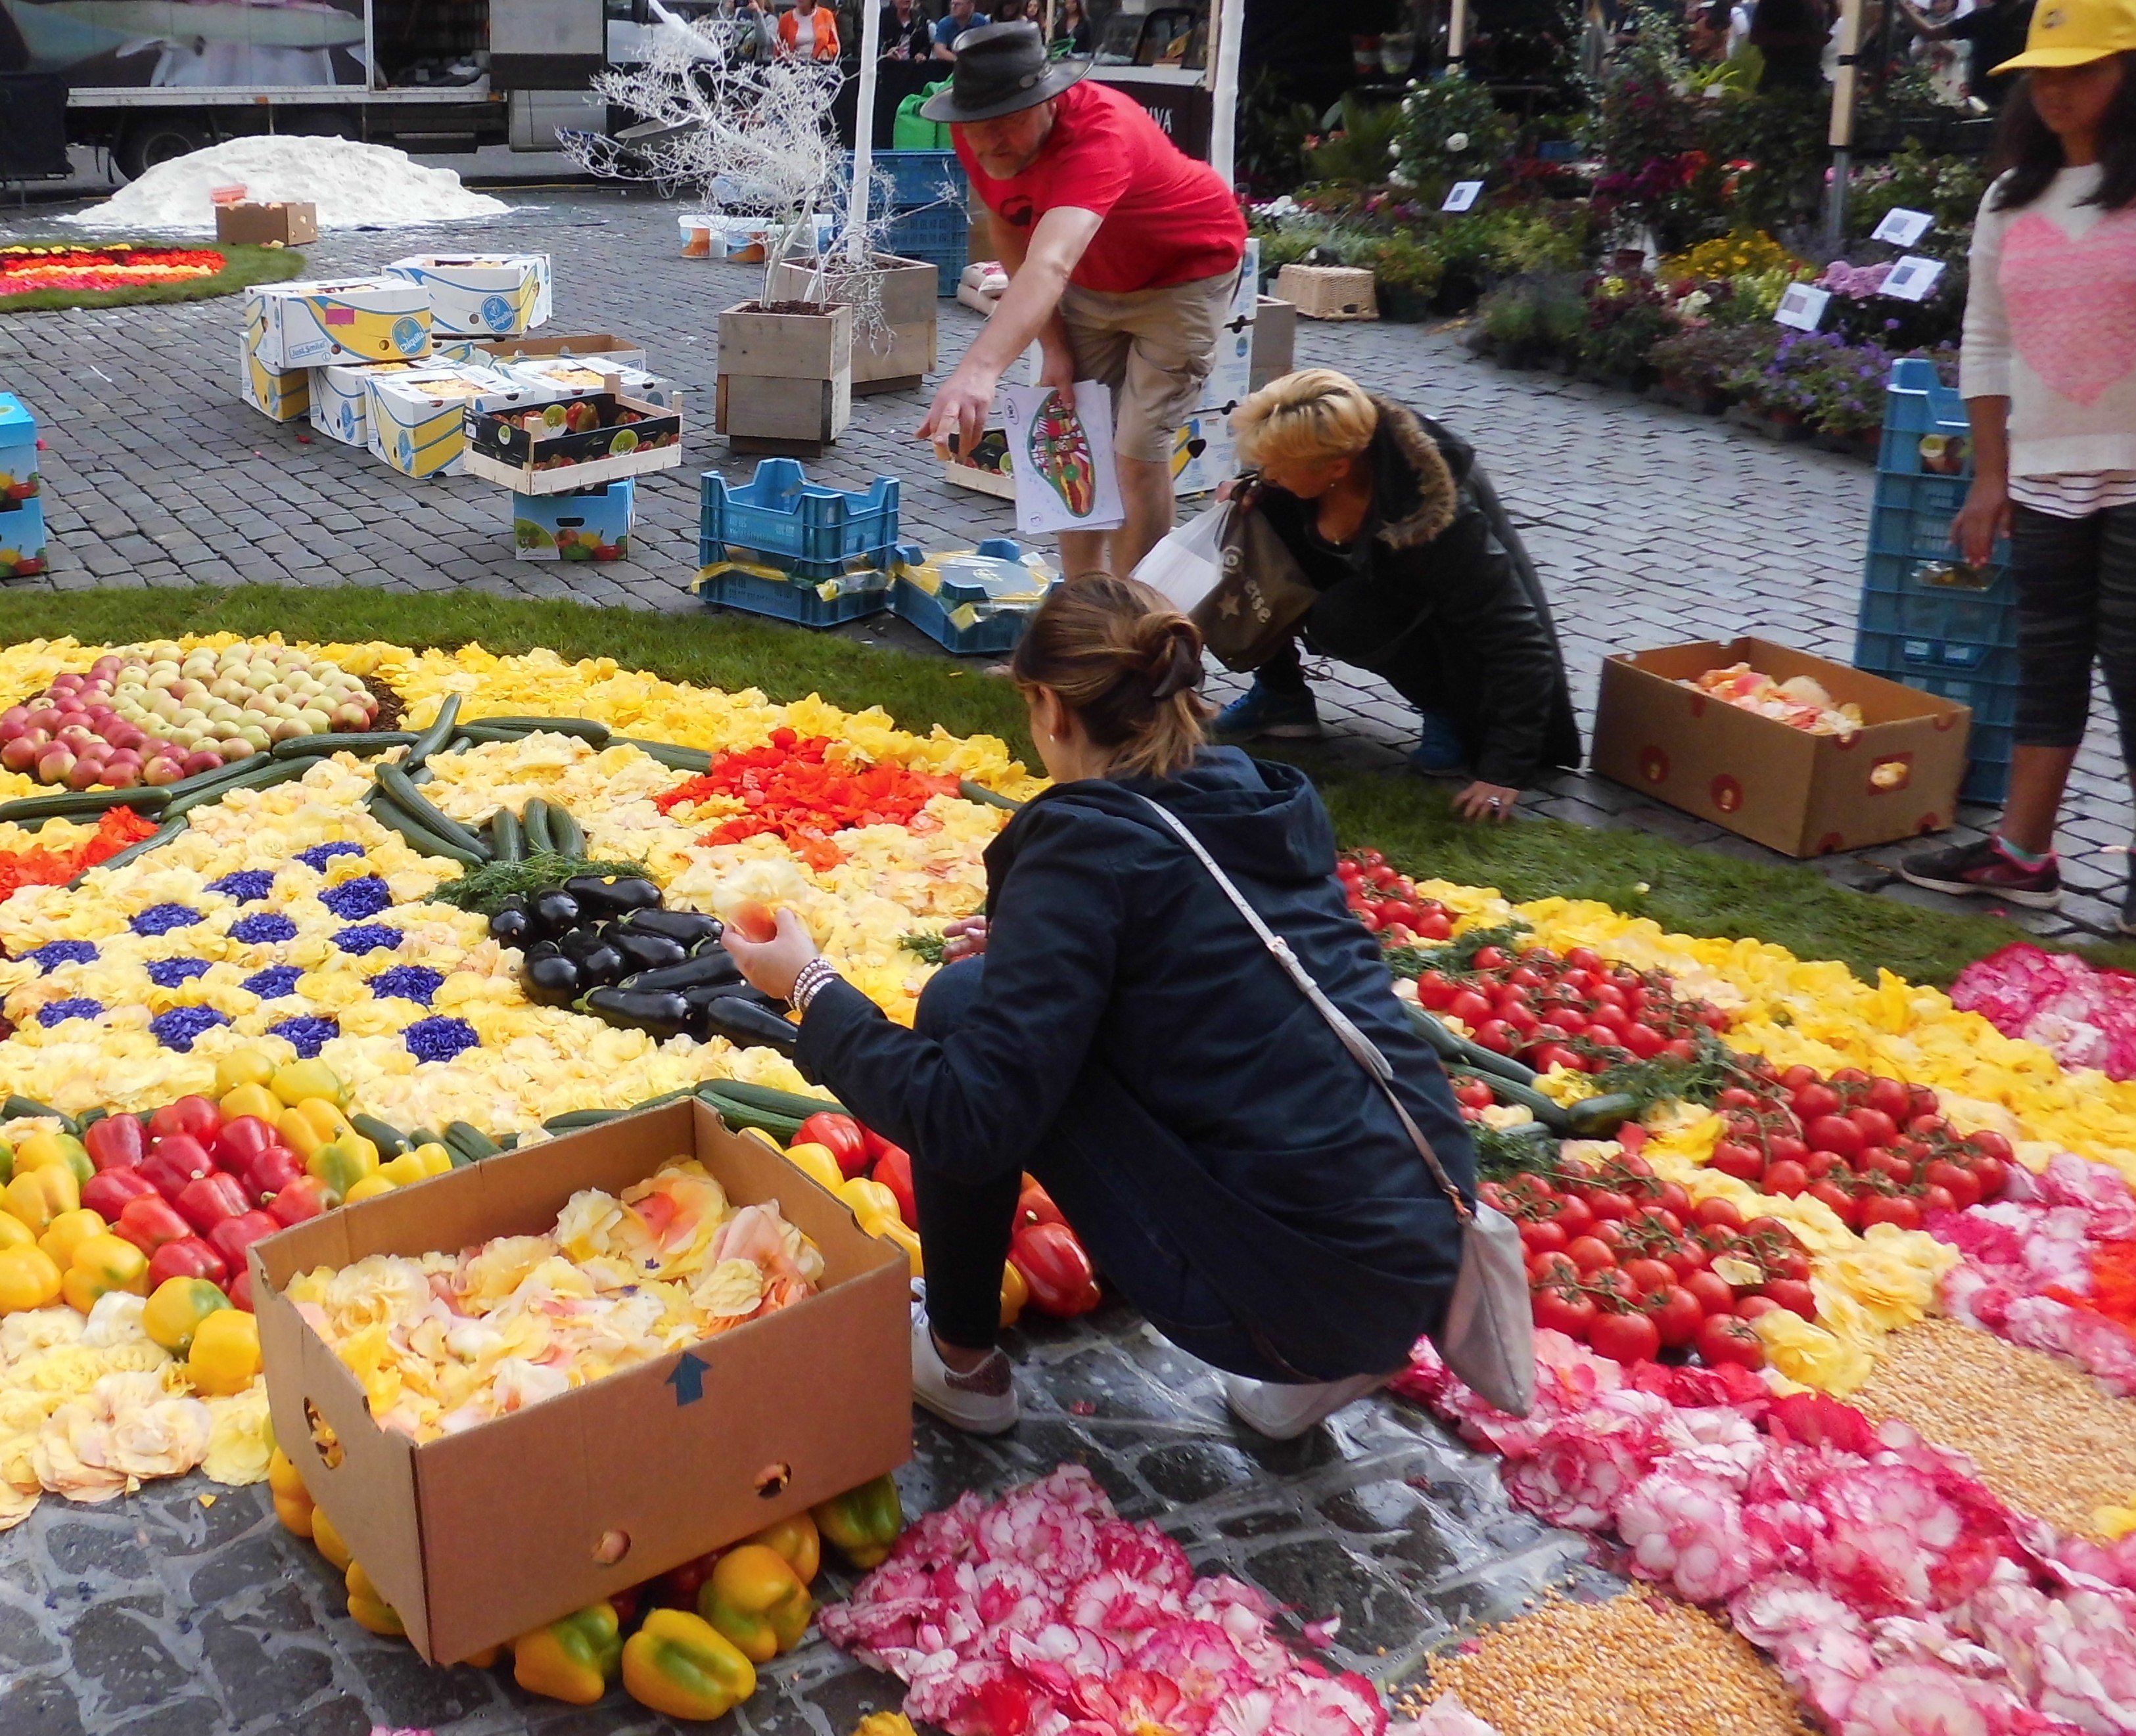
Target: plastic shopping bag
(1185,566)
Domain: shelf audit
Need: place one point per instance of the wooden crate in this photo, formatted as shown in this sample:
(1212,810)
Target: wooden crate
(1328,292)
(786,380)
(899,361)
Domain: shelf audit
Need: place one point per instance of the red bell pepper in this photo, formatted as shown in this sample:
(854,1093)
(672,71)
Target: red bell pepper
(240,1290)
(679,1586)
(893,1168)
(842,1135)
(207,1200)
(109,1192)
(174,1161)
(1035,1205)
(271,1171)
(306,1197)
(188,1257)
(876,1143)
(115,1143)
(243,1140)
(232,1236)
(149,1222)
(198,1116)
(1061,1280)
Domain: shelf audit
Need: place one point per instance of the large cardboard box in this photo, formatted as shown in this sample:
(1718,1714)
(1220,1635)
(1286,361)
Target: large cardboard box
(281,394)
(479,1536)
(572,376)
(417,421)
(587,346)
(350,319)
(341,396)
(1805,795)
(282,223)
(1275,342)
(480,294)
(593,524)
(21,475)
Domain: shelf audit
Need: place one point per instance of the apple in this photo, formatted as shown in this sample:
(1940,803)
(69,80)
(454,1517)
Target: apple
(287,729)
(161,770)
(235,747)
(54,764)
(85,774)
(202,760)
(20,753)
(77,736)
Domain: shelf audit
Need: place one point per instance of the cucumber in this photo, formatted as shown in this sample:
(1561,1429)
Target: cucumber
(400,791)
(566,837)
(972,791)
(388,1140)
(367,741)
(584,728)
(738,1115)
(771,1098)
(68,804)
(389,815)
(573,1121)
(132,852)
(16,1107)
(507,843)
(1510,1092)
(674,758)
(534,820)
(253,777)
(1460,1051)
(510,1143)
(660,1102)
(433,736)
(1599,1117)
(1444,1042)
(481,735)
(470,1139)
(89,1117)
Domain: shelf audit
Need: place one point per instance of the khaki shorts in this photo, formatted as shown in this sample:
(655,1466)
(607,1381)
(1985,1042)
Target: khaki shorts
(1154,348)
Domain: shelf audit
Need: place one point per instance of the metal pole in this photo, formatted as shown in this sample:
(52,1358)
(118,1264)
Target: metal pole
(1224,117)
(856,206)
(1841,135)
(1457,33)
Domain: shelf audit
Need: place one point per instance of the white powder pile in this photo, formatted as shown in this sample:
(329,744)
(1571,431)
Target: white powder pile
(354,185)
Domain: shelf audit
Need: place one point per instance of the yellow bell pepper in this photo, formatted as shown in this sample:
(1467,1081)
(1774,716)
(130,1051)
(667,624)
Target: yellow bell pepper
(485,1659)
(863,1523)
(7,1163)
(243,1067)
(367,1608)
(890,1724)
(343,1162)
(307,1126)
(437,1161)
(28,1279)
(69,1230)
(14,1233)
(226,1353)
(302,1080)
(899,1236)
(254,1100)
(370,1188)
(757,1600)
(679,1665)
(872,1203)
(327,1541)
(816,1163)
(1014,1293)
(404,1169)
(101,1264)
(292,1500)
(572,1659)
(176,1309)
(46,1151)
(37,1196)
(796,1543)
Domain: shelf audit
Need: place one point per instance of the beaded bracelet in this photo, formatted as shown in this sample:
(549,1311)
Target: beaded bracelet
(809,981)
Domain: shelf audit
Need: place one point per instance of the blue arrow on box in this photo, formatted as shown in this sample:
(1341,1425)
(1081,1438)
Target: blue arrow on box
(688,1378)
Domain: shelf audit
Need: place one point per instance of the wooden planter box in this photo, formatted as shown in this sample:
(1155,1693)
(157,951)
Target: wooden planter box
(1328,292)
(786,380)
(910,301)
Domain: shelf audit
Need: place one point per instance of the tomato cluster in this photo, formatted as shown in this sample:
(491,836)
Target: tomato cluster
(1387,902)
(1626,1263)
(1578,1011)
(1876,1150)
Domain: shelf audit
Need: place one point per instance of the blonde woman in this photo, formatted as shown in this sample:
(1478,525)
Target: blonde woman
(1422,579)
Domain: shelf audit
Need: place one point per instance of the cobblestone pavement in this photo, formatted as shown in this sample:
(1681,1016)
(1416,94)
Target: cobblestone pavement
(1651,526)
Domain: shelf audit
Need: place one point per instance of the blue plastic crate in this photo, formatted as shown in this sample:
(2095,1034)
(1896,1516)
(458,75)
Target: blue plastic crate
(781,519)
(807,603)
(1969,613)
(1986,681)
(981,600)
(1988,766)
(941,237)
(899,179)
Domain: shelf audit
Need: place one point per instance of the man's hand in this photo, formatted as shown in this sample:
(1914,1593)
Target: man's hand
(1483,801)
(772,965)
(966,938)
(1057,361)
(962,404)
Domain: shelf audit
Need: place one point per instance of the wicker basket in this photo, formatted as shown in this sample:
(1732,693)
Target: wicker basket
(1328,292)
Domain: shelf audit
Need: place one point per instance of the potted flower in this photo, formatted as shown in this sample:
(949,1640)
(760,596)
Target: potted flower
(1695,364)
(1407,273)
(1509,318)
(1626,317)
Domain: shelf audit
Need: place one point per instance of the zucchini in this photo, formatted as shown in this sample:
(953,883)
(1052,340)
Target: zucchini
(584,728)
(162,835)
(471,1139)
(675,759)
(18,1107)
(388,1140)
(433,736)
(507,843)
(366,741)
(1510,1092)
(389,815)
(566,837)
(1599,1117)
(399,790)
(68,804)
(573,1121)
(534,821)
(972,791)
(270,771)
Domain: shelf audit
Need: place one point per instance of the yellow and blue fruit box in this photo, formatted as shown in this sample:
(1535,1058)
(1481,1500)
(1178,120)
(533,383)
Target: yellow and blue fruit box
(22,540)
(580,376)
(351,319)
(281,394)
(21,477)
(592,525)
(341,396)
(418,420)
(480,294)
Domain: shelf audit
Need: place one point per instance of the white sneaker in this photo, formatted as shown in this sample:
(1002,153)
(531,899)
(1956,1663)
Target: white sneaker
(1283,1412)
(982,1401)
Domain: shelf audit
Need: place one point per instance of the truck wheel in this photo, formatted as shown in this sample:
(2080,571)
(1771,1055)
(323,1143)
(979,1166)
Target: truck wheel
(152,138)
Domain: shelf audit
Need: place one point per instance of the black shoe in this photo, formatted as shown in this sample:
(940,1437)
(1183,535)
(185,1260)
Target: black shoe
(1986,870)
(2127,922)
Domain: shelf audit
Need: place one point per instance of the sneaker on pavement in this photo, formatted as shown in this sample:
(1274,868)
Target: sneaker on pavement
(1284,1412)
(1985,871)
(982,1401)
(1262,710)
(1439,748)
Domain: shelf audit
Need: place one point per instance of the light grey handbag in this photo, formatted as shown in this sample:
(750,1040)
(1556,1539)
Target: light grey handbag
(1488,1336)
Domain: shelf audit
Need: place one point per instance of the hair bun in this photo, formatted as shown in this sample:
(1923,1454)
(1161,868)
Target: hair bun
(1176,662)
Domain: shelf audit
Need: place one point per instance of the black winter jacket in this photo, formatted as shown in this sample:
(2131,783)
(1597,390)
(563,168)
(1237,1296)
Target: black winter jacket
(1443,601)
(1285,1175)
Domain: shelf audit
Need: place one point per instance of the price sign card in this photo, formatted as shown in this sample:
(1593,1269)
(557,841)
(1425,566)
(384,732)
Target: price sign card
(1913,278)
(1903,228)
(1462,195)
(1802,307)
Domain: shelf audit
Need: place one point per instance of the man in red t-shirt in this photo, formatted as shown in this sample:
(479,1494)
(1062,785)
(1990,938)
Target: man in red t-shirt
(1123,254)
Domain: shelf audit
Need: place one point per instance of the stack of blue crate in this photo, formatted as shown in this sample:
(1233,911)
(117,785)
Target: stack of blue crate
(926,196)
(783,546)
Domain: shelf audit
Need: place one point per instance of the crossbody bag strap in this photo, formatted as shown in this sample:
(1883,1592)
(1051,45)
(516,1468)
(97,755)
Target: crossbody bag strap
(1365,1051)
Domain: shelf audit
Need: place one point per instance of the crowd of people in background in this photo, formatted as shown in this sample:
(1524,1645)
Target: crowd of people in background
(1957,42)
(911,30)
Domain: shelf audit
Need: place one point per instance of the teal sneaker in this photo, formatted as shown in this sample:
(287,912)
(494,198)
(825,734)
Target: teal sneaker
(1439,748)
(1260,710)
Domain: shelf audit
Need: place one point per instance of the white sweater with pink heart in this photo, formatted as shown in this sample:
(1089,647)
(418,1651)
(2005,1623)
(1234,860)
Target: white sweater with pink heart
(2051,324)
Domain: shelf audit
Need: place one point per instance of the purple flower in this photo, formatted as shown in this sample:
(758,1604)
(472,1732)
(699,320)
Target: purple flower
(247,886)
(309,1035)
(440,1039)
(367,938)
(415,982)
(170,973)
(319,855)
(274,983)
(181,1026)
(352,900)
(60,1012)
(266,928)
(54,953)
(162,919)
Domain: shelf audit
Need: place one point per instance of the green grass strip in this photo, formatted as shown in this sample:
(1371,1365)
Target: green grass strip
(242,267)
(1690,891)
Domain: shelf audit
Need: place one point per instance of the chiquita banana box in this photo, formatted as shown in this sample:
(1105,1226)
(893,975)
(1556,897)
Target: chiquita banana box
(340,395)
(353,319)
(481,294)
(282,394)
(418,420)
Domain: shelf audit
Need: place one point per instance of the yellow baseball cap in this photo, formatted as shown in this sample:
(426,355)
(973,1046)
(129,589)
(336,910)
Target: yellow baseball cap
(2075,32)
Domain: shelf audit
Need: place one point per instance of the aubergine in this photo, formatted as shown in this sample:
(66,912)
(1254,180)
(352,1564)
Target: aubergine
(685,926)
(755,996)
(535,949)
(645,952)
(511,924)
(551,982)
(717,971)
(659,1015)
(612,898)
(711,946)
(747,1025)
(604,965)
(555,912)
(577,943)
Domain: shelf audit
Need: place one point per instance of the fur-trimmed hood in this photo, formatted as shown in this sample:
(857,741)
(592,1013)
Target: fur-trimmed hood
(1418,468)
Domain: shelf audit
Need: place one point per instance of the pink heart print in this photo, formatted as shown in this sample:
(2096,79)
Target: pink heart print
(2072,303)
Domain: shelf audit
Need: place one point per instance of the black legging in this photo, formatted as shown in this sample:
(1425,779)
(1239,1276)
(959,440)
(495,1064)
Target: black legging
(2075,580)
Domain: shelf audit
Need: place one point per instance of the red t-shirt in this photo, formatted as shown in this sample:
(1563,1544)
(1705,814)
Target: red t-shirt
(1166,218)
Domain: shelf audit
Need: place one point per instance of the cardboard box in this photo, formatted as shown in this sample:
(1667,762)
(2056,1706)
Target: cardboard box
(24,543)
(418,420)
(480,294)
(605,346)
(562,459)
(479,1536)
(341,396)
(283,223)
(1275,342)
(350,319)
(280,394)
(571,376)
(1804,795)
(593,524)
(21,474)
